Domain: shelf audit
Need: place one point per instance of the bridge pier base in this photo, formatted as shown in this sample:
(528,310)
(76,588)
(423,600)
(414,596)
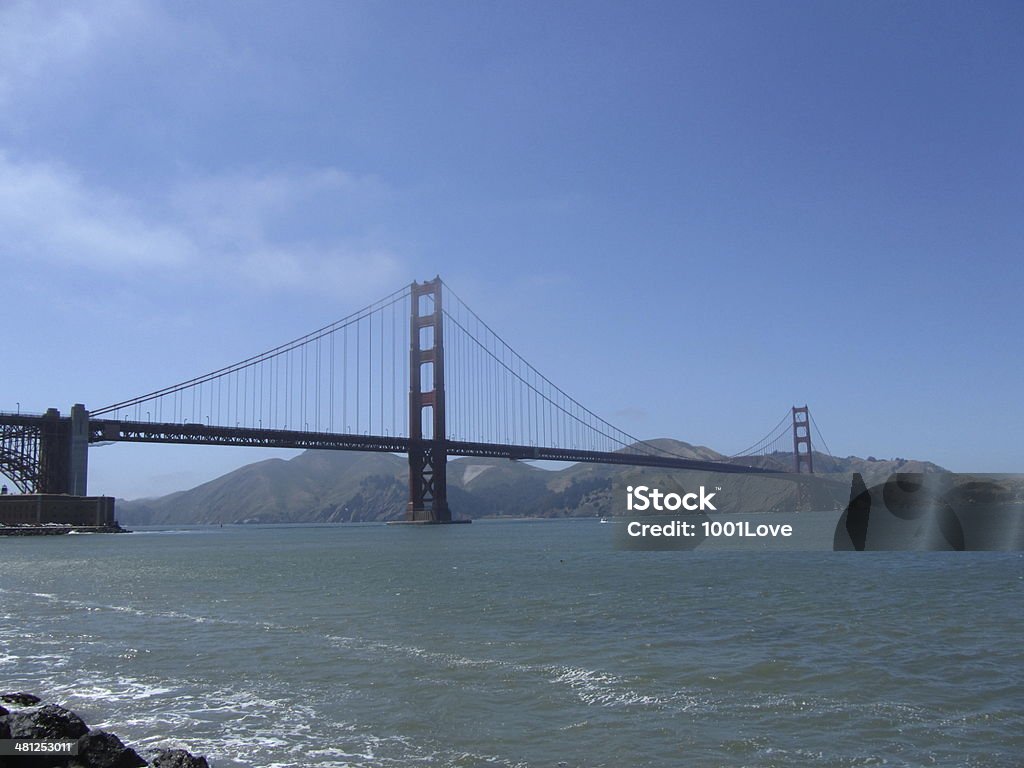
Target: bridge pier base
(428,487)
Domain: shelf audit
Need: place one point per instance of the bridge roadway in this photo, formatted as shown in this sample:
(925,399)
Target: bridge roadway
(107,430)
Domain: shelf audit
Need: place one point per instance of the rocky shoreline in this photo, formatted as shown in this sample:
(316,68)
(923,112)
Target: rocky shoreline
(24,716)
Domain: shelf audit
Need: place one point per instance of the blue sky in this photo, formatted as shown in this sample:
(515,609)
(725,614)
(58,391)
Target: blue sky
(689,215)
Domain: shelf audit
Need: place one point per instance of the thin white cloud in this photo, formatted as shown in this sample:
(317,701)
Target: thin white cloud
(337,271)
(41,40)
(269,229)
(48,214)
(303,231)
(237,208)
(274,231)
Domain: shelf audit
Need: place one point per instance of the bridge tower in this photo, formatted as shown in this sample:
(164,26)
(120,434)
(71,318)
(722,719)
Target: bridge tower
(802,439)
(428,455)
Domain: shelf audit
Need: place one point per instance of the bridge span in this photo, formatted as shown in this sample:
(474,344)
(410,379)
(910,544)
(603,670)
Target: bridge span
(412,374)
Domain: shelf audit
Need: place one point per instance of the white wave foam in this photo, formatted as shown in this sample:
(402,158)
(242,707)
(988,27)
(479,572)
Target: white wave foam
(593,687)
(603,689)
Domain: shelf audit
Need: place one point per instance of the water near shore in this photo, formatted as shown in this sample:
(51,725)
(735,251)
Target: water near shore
(517,644)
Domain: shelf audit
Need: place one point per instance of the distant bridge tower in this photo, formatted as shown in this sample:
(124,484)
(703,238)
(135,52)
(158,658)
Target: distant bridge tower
(803,460)
(428,456)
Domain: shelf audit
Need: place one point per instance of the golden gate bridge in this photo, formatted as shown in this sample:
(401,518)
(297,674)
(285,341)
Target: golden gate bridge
(417,372)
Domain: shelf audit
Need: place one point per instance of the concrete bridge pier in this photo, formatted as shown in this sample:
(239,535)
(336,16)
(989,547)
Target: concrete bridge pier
(64,452)
(78,450)
(54,453)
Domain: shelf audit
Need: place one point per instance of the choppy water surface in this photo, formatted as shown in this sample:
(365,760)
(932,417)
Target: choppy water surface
(518,644)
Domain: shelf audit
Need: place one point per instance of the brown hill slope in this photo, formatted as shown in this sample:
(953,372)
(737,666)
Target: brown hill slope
(336,486)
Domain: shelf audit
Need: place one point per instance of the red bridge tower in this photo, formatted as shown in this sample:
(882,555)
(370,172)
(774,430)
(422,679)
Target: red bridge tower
(802,439)
(428,455)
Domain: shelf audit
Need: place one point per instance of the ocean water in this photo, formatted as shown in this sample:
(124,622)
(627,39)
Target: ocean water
(532,643)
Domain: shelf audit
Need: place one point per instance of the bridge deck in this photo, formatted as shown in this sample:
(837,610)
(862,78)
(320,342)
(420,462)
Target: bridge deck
(102,430)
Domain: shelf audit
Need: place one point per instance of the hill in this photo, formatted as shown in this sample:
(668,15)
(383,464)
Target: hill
(338,486)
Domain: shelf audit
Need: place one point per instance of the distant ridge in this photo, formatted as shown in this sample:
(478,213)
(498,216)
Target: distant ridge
(340,486)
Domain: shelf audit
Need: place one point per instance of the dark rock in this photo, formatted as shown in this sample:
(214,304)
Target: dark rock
(177,758)
(96,749)
(47,722)
(99,749)
(20,699)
